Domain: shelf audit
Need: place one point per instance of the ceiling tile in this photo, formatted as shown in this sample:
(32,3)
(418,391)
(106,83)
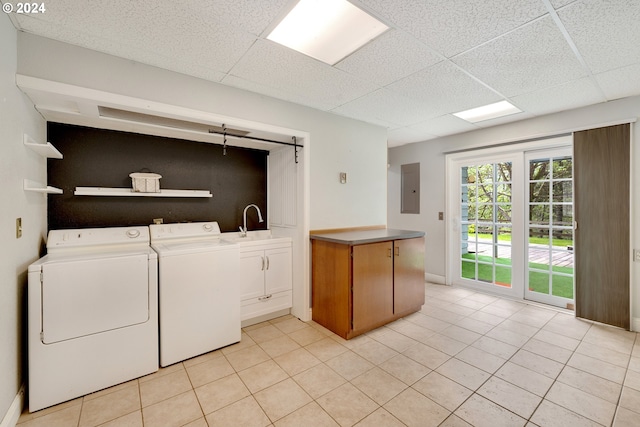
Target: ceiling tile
(505,119)
(443,125)
(530,58)
(453,26)
(444,89)
(401,136)
(388,58)
(562,97)
(276,66)
(557,4)
(620,83)
(607,33)
(386,108)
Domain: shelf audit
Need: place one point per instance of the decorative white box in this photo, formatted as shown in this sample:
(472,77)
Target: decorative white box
(145,182)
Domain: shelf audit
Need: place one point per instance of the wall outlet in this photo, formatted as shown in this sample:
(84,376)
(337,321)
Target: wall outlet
(18,228)
(441,216)
(343,177)
(158,220)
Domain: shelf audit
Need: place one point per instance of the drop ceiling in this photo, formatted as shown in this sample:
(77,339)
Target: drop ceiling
(439,57)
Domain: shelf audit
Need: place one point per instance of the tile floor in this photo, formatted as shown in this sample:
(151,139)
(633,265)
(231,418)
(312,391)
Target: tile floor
(466,359)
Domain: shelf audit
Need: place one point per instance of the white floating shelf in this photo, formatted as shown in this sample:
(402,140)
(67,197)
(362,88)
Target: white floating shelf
(45,150)
(29,185)
(128,192)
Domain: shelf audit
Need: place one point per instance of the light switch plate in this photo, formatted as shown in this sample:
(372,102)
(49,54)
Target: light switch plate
(343,177)
(18,228)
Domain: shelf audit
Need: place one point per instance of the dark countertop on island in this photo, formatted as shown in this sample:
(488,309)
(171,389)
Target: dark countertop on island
(361,237)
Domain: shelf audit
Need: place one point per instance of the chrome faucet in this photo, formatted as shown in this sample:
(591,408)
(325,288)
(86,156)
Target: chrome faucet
(243,230)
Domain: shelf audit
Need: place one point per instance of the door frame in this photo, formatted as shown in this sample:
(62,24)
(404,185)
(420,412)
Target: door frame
(452,221)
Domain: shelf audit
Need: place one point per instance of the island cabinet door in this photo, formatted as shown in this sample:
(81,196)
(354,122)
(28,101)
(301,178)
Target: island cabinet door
(372,285)
(408,275)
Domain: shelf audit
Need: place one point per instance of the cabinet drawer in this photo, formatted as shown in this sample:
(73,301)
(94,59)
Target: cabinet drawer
(255,307)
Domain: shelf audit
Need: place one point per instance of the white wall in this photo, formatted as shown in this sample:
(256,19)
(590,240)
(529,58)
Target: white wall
(17,162)
(430,154)
(337,145)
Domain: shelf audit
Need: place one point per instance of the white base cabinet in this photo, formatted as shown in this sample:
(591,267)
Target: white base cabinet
(266,279)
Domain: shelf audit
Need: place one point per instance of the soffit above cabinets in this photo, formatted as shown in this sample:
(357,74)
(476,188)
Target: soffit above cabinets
(63,103)
(437,58)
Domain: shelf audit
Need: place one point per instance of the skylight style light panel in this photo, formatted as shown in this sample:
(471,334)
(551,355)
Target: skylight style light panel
(327,30)
(487,112)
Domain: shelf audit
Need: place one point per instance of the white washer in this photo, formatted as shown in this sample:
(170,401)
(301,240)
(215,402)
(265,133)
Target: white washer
(198,290)
(93,313)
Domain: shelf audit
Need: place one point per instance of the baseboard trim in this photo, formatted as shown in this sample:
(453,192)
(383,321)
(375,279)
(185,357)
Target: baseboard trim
(11,417)
(635,324)
(434,278)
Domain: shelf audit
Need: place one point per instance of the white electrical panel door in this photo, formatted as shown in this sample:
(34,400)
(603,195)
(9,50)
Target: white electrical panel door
(84,297)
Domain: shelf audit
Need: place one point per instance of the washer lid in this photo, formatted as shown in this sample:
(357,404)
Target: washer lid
(185,246)
(184,231)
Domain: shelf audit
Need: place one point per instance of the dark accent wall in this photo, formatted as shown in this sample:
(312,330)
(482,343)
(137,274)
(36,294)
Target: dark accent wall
(105,158)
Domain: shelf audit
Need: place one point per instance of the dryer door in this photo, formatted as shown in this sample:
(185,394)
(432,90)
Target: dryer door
(84,297)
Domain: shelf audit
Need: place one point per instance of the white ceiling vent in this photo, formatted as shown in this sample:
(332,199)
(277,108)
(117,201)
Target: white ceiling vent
(149,119)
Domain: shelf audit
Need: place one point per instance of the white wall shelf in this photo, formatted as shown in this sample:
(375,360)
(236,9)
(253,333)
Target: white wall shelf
(29,185)
(45,150)
(128,192)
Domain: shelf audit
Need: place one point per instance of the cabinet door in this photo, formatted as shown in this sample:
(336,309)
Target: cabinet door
(252,265)
(278,270)
(408,274)
(372,284)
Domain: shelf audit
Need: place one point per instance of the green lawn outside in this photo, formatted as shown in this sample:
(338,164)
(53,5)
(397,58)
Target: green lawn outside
(538,281)
(535,240)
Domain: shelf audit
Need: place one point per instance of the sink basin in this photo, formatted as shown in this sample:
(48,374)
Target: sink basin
(253,237)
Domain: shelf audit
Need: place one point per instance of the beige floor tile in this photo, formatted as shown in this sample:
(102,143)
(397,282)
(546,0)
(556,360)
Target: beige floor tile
(542,365)
(519,328)
(463,373)
(474,325)
(133,419)
(414,409)
(119,387)
(347,405)
(379,385)
(630,399)
(557,339)
(309,415)
(445,344)
(160,372)
(413,331)
(279,346)
(27,416)
(262,375)
(532,316)
(568,326)
(380,418)
(426,355)
(505,335)
(634,364)
(374,352)
(164,387)
(495,347)
(462,310)
(597,367)
(220,393)
(202,358)
(626,418)
(460,334)
(245,342)
(200,422)
(481,359)
(406,370)
(632,380)
(549,414)
(61,418)
(497,311)
(611,338)
(319,380)
(428,322)
(478,296)
(359,340)
(307,336)
(110,406)
(471,303)
(244,412)
(297,361)
(281,399)
(444,315)
(585,404)
(319,328)
(265,332)
(176,411)
(599,387)
(550,351)
(326,349)
(442,390)
(602,353)
(525,378)
(289,325)
(396,341)
(481,412)
(509,396)
(349,365)
(455,421)
(488,318)
(208,371)
(246,358)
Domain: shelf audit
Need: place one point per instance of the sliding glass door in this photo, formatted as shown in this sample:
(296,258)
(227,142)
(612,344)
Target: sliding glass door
(512,222)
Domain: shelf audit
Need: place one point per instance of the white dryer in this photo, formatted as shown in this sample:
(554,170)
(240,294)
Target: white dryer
(93,313)
(198,290)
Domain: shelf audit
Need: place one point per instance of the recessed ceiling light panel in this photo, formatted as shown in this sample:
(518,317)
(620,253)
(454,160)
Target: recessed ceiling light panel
(327,30)
(487,112)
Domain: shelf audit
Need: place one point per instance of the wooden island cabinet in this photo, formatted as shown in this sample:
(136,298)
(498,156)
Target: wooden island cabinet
(364,279)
